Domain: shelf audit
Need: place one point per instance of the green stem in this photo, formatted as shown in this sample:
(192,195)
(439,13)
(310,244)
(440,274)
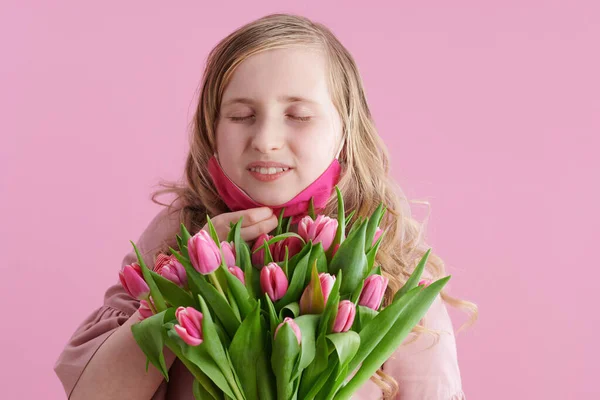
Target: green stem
(215,281)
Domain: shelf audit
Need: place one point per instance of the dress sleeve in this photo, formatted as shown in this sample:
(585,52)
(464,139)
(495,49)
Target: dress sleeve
(424,370)
(117,307)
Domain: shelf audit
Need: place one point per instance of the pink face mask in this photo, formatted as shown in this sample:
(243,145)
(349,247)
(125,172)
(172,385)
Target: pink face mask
(236,199)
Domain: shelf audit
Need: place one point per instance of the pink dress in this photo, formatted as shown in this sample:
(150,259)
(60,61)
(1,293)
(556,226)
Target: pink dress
(422,374)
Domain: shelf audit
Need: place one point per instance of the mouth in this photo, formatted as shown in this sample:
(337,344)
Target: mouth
(267,171)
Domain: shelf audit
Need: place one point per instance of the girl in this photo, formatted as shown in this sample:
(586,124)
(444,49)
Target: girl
(282,116)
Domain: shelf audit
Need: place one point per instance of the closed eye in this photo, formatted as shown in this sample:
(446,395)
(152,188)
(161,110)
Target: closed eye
(241,119)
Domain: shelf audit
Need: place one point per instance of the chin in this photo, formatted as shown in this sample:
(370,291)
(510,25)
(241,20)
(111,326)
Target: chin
(271,198)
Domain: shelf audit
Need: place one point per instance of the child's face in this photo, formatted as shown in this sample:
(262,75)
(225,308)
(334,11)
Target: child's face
(303,136)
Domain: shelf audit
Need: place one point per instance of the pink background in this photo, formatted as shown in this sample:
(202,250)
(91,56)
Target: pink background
(491,112)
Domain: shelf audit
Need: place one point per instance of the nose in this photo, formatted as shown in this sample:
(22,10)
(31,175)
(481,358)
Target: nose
(269,136)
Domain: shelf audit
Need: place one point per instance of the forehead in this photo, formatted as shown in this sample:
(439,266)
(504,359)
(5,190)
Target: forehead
(280,75)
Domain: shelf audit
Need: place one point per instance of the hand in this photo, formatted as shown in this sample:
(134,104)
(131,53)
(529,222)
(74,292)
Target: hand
(255,222)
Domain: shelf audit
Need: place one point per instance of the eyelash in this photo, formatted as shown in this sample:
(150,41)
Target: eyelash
(242,119)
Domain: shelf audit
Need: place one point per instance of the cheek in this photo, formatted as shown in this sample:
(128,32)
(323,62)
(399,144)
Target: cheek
(314,150)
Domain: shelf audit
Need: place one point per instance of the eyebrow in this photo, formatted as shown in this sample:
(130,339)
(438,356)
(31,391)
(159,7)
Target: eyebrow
(281,99)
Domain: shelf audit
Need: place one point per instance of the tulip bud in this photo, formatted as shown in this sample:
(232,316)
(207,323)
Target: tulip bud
(144,310)
(378,233)
(373,291)
(424,282)
(228,253)
(238,273)
(133,281)
(258,258)
(273,281)
(293,244)
(204,253)
(345,316)
(170,268)
(321,230)
(293,325)
(308,304)
(190,325)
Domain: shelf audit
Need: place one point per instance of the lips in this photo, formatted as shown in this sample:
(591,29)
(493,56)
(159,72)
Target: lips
(267,170)
(267,167)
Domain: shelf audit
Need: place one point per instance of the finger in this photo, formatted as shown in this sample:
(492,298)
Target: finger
(252,232)
(250,216)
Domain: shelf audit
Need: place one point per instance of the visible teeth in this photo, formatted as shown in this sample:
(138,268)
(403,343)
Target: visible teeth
(268,171)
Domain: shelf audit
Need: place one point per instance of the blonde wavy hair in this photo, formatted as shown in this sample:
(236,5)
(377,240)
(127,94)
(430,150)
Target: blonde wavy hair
(365,181)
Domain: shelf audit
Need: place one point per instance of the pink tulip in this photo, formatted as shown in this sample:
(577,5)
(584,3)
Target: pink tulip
(133,281)
(144,310)
(228,253)
(204,253)
(170,268)
(378,233)
(190,325)
(273,281)
(258,258)
(293,244)
(293,325)
(345,316)
(307,303)
(238,273)
(373,291)
(424,282)
(322,230)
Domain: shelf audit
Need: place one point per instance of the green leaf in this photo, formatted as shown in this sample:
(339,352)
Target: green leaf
(407,319)
(192,275)
(238,242)
(346,345)
(266,379)
(341,228)
(240,294)
(268,256)
(149,337)
(376,270)
(246,265)
(157,297)
(293,310)
(185,238)
(373,332)
(372,253)
(199,392)
(364,316)
(176,344)
(296,285)
(281,237)
(351,258)
(212,231)
(288,222)
(295,260)
(285,353)
(311,209)
(279,228)
(217,302)
(215,349)
(202,360)
(315,377)
(318,254)
(308,326)
(173,294)
(273,319)
(247,346)
(414,278)
(372,226)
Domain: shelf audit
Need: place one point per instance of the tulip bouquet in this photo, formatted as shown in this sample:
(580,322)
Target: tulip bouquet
(294,315)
